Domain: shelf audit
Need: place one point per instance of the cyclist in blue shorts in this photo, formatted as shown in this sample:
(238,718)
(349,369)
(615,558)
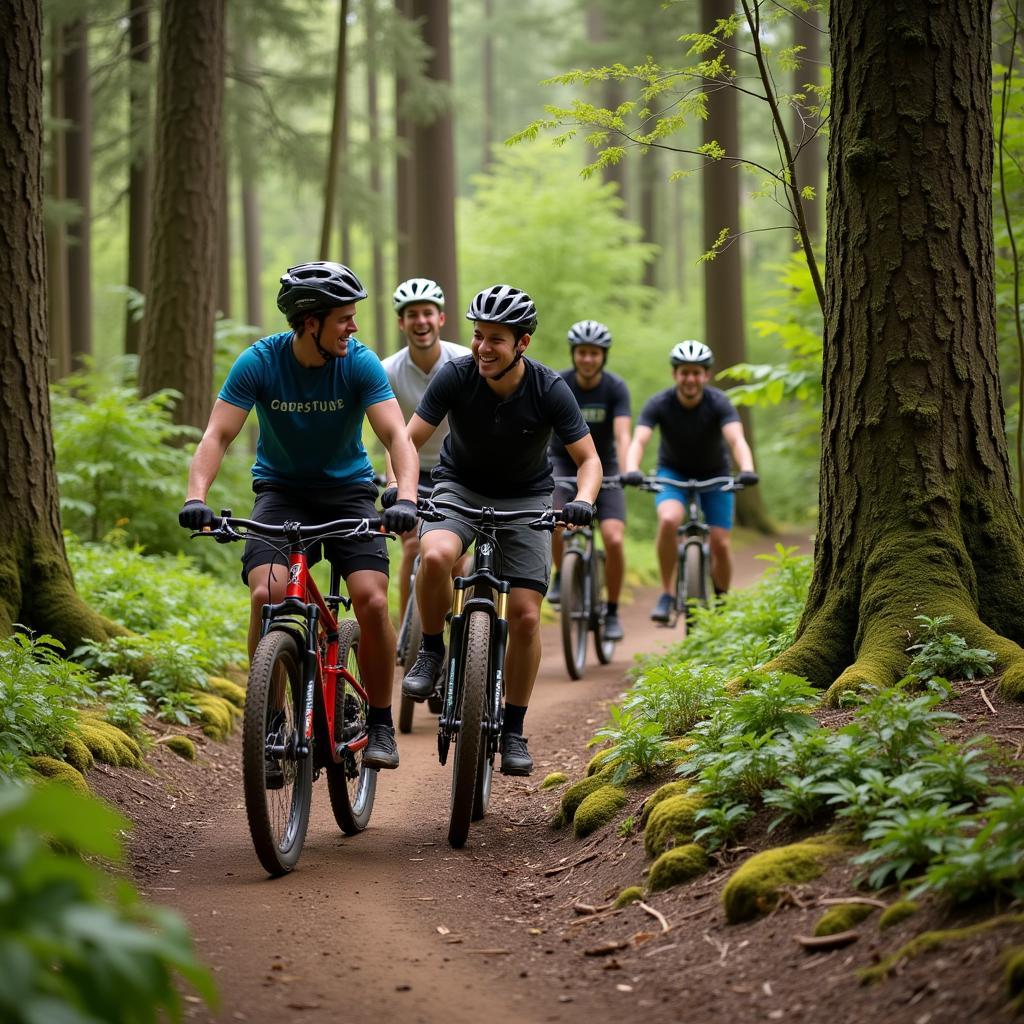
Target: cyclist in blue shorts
(311,387)
(699,428)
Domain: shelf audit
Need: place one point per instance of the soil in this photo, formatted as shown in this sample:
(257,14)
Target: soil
(514,927)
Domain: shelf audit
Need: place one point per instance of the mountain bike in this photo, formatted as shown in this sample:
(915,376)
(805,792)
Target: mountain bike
(693,573)
(305,707)
(474,674)
(583,602)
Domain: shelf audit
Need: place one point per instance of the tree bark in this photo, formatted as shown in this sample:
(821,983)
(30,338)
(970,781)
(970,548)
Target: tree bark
(177,349)
(36,588)
(405,198)
(917,513)
(223,302)
(597,36)
(78,169)
(56,229)
(808,146)
(487,74)
(434,181)
(333,159)
(380,321)
(140,175)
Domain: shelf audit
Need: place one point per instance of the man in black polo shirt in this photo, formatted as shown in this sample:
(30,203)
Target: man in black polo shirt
(699,427)
(502,409)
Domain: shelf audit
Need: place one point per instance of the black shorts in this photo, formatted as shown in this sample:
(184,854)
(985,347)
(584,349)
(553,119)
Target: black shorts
(276,506)
(611,502)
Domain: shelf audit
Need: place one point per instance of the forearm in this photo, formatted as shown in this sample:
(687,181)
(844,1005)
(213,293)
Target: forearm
(404,466)
(204,467)
(743,456)
(589,474)
(634,455)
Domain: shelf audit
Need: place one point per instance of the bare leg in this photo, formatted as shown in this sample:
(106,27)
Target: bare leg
(670,516)
(369,592)
(410,548)
(267,585)
(522,658)
(721,557)
(439,551)
(612,532)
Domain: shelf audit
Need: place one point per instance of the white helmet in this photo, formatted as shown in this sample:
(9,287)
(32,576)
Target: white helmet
(691,351)
(417,289)
(589,332)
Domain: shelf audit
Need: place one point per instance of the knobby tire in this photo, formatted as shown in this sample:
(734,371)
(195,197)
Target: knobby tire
(413,634)
(605,649)
(574,615)
(695,579)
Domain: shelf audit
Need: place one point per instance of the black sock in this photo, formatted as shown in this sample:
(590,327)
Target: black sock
(718,590)
(515,715)
(434,643)
(613,607)
(379,716)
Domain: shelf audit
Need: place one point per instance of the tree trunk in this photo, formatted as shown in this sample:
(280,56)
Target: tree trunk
(808,146)
(177,349)
(78,164)
(434,180)
(597,36)
(647,180)
(140,175)
(487,73)
(253,244)
(724,322)
(56,229)
(36,588)
(917,513)
(380,322)
(333,158)
(405,197)
(223,302)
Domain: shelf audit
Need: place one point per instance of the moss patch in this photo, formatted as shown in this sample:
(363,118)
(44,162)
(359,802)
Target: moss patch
(600,761)
(676,866)
(842,918)
(109,744)
(897,912)
(678,750)
(597,810)
(225,688)
(58,771)
(630,894)
(754,886)
(182,746)
(77,754)
(1013,971)
(216,714)
(927,941)
(671,823)
(579,791)
(678,788)
(554,779)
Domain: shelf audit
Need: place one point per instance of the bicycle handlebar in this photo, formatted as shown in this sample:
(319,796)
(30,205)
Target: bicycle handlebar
(226,528)
(607,482)
(724,483)
(544,518)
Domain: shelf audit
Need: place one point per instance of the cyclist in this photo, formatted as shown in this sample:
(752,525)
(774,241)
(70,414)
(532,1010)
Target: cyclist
(419,303)
(502,409)
(603,399)
(699,427)
(311,387)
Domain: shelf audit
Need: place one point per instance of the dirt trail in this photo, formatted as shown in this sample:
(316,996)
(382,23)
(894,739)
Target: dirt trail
(393,923)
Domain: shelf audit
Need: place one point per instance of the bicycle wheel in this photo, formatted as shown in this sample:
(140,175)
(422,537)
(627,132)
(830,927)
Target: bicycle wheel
(350,785)
(278,812)
(694,579)
(413,634)
(574,614)
(470,739)
(604,648)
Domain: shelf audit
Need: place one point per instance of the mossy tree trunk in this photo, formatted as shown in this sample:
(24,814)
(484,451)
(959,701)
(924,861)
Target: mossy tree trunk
(917,513)
(36,588)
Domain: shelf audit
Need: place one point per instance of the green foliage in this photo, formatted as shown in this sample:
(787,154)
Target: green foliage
(635,743)
(76,945)
(940,653)
(675,695)
(124,703)
(722,823)
(625,828)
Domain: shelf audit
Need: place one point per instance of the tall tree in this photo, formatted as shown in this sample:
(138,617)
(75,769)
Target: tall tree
(78,181)
(917,513)
(247,166)
(334,152)
(434,180)
(807,140)
(177,349)
(487,73)
(140,176)
(56,229)
(405,196)
(223,300)
(36,587)
(382,329)
(597,36)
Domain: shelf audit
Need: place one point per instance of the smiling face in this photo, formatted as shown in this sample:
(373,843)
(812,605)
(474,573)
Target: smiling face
(421,323)
(589,361)
(690,379)
(339,325)
(494,347)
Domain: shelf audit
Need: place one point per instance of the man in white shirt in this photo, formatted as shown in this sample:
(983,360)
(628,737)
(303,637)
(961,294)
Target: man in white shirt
(419,303)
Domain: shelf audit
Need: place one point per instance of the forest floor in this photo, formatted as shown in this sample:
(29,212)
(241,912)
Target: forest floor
(395,924)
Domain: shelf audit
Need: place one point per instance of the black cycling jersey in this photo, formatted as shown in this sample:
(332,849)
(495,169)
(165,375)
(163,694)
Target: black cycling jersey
(691,443)
(599,406)
(498,446)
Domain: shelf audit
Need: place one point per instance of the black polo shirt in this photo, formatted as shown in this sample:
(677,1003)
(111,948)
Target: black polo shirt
(498,446)
(599,405)
(691,444)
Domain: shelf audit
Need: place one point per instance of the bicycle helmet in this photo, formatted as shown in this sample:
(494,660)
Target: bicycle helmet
(503,304)
(589,332)
(691,351)
(417,289)
(315,287)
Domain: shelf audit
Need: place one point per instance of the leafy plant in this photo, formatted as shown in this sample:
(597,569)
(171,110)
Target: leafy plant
(634,743)
(723,824)
(798,797)
(941,653)
(624,829)
(124,703)
(774,702)
(177,706)
(676,696)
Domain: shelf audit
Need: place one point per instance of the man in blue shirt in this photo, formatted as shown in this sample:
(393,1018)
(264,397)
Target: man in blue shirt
(311,387)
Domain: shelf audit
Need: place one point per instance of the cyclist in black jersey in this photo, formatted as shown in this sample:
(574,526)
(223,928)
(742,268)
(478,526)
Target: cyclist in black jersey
(699,428)
(603,399)
(502,409)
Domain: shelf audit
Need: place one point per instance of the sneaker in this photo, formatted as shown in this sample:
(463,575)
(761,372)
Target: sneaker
(612,627)
(381,750)
(662,611)
(555,591)
(421,680)
(515,758)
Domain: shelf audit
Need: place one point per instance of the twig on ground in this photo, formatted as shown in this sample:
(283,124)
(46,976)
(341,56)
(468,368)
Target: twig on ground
(568,867)
(665,926)
(984,697)
(606,947)
(814,943)
(836,901)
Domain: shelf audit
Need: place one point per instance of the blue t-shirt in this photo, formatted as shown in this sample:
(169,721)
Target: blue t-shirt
(311,418)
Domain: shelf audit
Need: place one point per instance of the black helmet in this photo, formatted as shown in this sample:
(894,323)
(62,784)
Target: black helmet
(691,351)
(312,287)
(589,332)
(503,304)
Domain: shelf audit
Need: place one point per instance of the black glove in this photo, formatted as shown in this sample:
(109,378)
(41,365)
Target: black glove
(400,517)
(577,513)
(747,478)
(633,478)
(389,497)
(195,515)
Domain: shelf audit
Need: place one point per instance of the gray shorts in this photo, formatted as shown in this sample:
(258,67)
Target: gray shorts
(524,555)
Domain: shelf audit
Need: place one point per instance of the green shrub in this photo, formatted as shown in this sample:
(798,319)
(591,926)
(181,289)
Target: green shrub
(676,696)
(940,653)
(635,744)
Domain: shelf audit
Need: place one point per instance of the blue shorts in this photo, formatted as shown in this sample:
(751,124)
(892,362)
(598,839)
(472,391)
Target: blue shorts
(719,506)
